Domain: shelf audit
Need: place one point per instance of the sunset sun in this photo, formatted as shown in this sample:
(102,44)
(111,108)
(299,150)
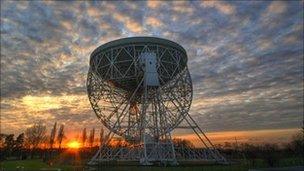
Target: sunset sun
(73,144)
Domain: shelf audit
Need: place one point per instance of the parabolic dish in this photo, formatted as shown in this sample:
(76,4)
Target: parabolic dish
(116,88)
(118,61)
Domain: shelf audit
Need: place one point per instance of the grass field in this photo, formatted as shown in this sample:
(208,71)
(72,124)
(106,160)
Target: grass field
(39,165)
(177,168)
(32,165)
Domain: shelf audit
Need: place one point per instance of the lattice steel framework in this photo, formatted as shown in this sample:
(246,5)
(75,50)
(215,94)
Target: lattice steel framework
(143,115)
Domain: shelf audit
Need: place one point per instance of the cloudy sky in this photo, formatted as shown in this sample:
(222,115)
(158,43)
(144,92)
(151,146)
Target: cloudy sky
(245,58)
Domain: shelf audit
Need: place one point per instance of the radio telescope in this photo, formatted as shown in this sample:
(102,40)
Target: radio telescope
(140,89)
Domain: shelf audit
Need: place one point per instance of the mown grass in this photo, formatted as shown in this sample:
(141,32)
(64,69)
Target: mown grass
(37,164)
(30,165)
(177,168)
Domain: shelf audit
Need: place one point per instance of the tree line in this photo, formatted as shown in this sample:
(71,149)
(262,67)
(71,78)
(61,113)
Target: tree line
(32,141)
(36,142)
(270,153)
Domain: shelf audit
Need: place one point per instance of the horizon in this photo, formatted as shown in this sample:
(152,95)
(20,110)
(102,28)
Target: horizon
(255,137)
(245,60)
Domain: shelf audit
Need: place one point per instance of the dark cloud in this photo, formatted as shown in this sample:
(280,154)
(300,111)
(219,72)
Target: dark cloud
(246,58)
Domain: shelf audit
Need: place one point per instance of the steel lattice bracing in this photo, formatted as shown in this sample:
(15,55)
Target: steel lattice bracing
(141,91)
(118,107)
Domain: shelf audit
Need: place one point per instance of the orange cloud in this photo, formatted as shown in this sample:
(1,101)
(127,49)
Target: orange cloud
(223,7)
(129,23)
(154,22)
(251,136)
(153,4)
(94,12)
(105,26)
(182,7)
(32,108)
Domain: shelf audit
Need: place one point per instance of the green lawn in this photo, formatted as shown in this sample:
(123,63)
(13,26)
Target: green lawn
(177,168)
(234,167)
(37,164)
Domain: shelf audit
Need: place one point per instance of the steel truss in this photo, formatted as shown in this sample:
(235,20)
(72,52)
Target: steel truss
(144,115)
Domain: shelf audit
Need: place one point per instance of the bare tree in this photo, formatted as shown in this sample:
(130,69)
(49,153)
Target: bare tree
(19,141)
(12,146)
(35,135)
(60,135)
(91,137)
(52,136)
(9,144)
(297,143)
(101,139)
(84,137)
(270,154)
(183,143)
(19,145)
(2,138)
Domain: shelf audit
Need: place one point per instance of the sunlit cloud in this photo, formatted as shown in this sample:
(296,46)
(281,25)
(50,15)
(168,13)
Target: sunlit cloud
(94,12)
(245,59)
(277,7)
(153,4)
(128,22)
(252,137)
(221,6)
(67,25)
(182,7)
(154,22)
(41,103)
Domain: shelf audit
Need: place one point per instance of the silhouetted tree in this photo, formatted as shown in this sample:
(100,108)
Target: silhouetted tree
(52,136)
(9,144)
(19,145)
(91,137)
(19,141)
(84,137)
(270,155)
(101,136)
(52,139)
(35,135)
(183,143)
(2,150)
(251,153)
(60,135)
(12,146)
(2,138)
(297,144)
(227,145)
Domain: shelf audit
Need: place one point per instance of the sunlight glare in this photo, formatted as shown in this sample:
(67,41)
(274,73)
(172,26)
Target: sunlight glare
(74,144)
